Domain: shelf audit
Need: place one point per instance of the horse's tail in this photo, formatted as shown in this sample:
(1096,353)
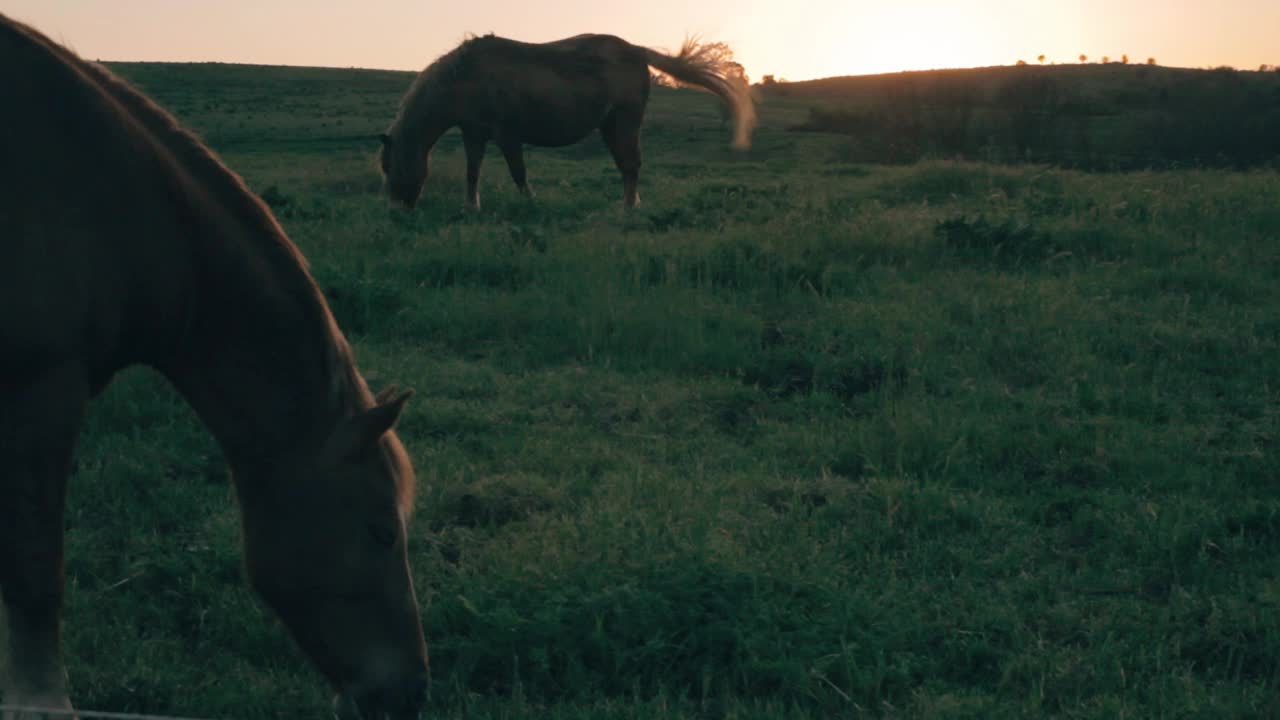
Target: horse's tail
(696,65)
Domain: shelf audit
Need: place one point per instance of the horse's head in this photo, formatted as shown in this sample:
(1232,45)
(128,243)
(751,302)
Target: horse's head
(324,536)
(405,162)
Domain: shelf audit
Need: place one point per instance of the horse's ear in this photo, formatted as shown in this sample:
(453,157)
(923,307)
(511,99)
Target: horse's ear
(385,138)
(387,394)
(363,429)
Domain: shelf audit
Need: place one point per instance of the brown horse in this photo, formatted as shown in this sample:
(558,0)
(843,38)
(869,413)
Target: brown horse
(550,94)
(123,240)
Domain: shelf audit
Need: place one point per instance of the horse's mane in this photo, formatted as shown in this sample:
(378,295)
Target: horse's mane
(348,391)
(290,266)
(440,73)
(187,154)
(447,67)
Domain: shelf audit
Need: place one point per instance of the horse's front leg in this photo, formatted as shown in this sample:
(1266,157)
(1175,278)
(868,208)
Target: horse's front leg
(474,143)
(39,420)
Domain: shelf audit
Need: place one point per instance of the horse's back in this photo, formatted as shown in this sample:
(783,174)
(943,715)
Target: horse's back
(590,64)
(585,51)
(552,93)
(607,46)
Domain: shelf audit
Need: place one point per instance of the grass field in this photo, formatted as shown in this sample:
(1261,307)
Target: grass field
(797,439)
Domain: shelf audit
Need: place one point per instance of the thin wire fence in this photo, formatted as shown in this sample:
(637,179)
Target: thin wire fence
(55,713)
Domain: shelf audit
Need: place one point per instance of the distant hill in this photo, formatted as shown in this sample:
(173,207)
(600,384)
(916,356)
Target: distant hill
(1091,115)
(1123,83)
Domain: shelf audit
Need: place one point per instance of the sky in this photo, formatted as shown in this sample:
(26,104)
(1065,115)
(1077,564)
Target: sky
(791,39)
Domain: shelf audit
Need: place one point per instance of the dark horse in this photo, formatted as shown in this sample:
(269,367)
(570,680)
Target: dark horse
(550,94)
(123,240)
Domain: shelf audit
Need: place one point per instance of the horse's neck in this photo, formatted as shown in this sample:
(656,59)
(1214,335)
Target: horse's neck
(191,271)
(257,355)
(260,359)
(428,115)
(423,131)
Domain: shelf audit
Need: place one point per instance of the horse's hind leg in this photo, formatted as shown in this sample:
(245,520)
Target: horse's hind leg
(38,426)
(474,144)
(621,133)
(513,151)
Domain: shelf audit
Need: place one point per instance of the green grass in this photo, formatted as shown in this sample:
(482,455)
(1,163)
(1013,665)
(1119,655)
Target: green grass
(797,439)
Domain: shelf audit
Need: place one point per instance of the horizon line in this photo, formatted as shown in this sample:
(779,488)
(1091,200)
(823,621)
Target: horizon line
(756,82)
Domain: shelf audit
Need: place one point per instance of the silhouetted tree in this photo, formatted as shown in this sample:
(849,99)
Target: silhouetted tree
(718,52)
(1041,59)
(1084,58)
(1020,63)
(768,80)
(1151,61)
(1124,59)
(1105,59)
(736,71)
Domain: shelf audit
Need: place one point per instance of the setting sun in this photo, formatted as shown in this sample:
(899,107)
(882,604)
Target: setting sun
(865,38)
(936,35)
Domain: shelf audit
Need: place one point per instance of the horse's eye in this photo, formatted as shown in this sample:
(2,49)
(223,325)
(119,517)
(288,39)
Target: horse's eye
(384,536)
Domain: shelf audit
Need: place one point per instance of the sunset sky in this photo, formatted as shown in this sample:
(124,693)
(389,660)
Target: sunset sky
(796,39)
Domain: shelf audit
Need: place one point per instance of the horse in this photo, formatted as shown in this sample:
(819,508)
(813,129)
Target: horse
(547,94)
(125,241)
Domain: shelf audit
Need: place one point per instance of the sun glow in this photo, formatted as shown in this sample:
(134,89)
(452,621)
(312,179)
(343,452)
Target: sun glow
(792,39)
(946,37)
(823,38)
(915,36)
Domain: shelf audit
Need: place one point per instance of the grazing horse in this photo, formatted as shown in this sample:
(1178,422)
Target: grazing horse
(124,240)
(549,94)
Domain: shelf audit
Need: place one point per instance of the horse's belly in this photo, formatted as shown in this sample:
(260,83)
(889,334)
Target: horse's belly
(556,116)
(560,129)
(555,139)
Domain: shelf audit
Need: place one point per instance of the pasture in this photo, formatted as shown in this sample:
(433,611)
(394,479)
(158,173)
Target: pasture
(798,438)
